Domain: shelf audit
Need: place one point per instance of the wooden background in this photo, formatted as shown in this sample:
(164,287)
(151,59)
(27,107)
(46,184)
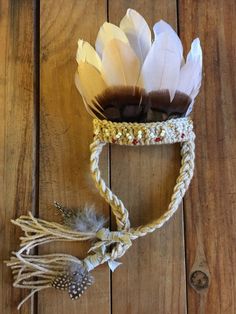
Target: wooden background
(187,267)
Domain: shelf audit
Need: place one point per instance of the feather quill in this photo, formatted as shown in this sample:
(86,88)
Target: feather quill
(90,84)
(107,32)
(162,65)
(86,53)
(120,65)
(138,33)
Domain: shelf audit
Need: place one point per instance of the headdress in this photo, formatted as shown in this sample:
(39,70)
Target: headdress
(140,92)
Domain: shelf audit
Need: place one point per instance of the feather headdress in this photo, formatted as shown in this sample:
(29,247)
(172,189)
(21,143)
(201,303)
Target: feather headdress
(132,78)
(129,78)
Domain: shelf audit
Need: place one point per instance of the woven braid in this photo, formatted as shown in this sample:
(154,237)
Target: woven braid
(182,183)
(118,208)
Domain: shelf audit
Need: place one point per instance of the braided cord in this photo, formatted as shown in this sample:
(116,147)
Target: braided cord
(118,208)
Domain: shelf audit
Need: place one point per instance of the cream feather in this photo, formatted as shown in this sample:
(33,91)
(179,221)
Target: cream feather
(138,33)
(107,32)
(90,84)
(86,53)
(162,65)
(120,65)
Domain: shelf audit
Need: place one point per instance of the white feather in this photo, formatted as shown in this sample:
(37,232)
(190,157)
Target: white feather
(86,53)
(138,33)
(191,73)
(106,33)
(120,65)
(163,27)
(90,84)
(162,65)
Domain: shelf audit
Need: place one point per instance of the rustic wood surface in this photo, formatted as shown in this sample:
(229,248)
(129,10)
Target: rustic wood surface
(17,133)
(189,265)
(211,202)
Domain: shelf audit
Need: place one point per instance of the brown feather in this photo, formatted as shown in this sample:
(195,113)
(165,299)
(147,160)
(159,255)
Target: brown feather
(133,104)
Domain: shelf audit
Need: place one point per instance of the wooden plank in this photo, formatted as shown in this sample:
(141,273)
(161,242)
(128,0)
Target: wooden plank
(210,207)
(152,277)
(66,132)
(16,136)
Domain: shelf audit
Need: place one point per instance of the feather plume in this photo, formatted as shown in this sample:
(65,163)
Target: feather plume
(137,32)
(123,103)
(160,102)
(133,104)
(86,53)
(162,27)
(90,84)
(191,73)
(162,65)
(83,220)
(107,32)
(120,65)
(75,280)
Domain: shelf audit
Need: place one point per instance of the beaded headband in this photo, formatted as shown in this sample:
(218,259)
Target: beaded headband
(139,93)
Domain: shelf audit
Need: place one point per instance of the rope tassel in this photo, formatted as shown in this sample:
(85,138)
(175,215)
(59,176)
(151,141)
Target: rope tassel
(61,271)
(38,231)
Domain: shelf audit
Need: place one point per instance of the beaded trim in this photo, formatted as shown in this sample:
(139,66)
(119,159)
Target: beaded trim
(123,133)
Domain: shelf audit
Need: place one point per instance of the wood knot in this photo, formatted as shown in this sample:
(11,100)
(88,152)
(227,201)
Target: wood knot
(199,280)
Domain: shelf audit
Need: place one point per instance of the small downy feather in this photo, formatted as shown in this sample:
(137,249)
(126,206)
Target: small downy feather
(81,219)
(107,32)
(86,220)
(138,33)
(86,53)
(120,65)
(162,65)
(90,84)
(75,280)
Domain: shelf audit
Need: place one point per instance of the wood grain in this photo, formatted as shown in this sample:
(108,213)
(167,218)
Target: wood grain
(152,277)
(16,136)
(210,205)
(66,132)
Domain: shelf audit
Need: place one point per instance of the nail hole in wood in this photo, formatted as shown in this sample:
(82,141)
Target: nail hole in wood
(199,280)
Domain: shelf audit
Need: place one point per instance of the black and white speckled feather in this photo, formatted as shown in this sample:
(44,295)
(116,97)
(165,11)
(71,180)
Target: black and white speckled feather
(75,280)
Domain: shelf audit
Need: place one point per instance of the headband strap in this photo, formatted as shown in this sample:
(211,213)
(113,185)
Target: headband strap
(123,133)
(172,131)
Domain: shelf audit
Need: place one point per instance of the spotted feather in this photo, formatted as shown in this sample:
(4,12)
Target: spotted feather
(62,282)
(74,282)
(79,284)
